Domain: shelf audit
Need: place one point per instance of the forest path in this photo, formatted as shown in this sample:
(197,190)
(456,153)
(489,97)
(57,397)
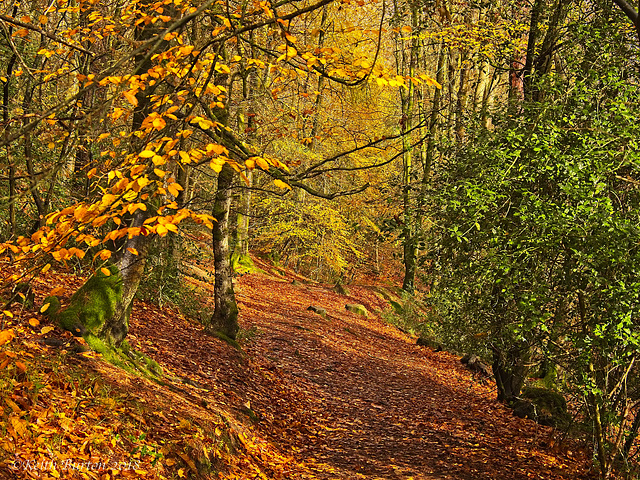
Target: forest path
(350,397)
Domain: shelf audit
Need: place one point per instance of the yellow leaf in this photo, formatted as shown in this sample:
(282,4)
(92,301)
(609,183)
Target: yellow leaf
(8,313)
(250,163)
(184,156)
(6,336)
(46,330)
(146,154)
(105,255)
(262,163)
(159,173)
(14,406)
(406,29)
(290,37)
(79,213)
(105,271)
(158,160)
(44,307)
(131,98)
(34,322)
(217,149)
(43,19)
(20,426)
(46,267)
(56,291)
(159,123)
(132,251)
(280,184)
(174,189)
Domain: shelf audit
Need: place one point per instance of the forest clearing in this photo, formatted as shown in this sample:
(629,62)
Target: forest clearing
(319,239)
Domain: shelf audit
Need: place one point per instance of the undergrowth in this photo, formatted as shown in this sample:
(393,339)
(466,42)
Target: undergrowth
(408,314)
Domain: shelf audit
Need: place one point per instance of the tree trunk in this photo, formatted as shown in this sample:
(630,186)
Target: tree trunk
(131,268)
(509,371)
(225,315)
(102,306)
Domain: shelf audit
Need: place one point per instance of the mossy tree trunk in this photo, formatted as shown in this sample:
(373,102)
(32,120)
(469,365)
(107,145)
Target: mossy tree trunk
(225,315)
(131,267)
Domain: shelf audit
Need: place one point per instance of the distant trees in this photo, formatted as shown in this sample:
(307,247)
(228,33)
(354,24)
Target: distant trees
(120,114)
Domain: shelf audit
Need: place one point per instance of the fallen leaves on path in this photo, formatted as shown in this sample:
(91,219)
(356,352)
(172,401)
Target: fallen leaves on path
(308,397)
(352,397)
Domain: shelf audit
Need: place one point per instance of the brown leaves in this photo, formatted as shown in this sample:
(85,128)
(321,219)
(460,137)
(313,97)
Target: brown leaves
(342,397)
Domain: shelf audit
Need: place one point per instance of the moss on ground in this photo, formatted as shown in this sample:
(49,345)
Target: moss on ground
(243,264)
(126,358)
(89,308)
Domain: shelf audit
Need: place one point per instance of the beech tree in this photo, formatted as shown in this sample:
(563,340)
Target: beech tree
(130,96)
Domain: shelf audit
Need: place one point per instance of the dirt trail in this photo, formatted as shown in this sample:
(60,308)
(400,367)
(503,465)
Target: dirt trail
(352,397)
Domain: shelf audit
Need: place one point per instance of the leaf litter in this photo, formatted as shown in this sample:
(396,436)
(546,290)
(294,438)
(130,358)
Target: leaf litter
(346,397)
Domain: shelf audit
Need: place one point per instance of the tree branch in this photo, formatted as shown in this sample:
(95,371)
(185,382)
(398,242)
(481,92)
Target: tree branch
(28,26)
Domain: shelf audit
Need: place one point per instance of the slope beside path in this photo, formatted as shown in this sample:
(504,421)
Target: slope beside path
(348,397)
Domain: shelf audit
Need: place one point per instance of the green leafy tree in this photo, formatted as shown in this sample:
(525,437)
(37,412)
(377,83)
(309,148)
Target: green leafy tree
(537,225)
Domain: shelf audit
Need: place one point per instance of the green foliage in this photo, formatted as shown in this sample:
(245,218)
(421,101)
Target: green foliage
(536,228)
(313,237)
(409,314)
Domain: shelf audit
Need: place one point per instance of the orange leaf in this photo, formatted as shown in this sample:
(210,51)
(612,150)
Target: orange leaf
(105,254)
(6,336)
(162,230)
(131,98)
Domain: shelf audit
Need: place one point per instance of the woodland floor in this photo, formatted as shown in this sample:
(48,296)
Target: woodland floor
(345,397)
(351,397)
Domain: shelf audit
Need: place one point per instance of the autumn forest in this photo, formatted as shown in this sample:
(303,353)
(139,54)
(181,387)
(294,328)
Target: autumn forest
(333,239)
